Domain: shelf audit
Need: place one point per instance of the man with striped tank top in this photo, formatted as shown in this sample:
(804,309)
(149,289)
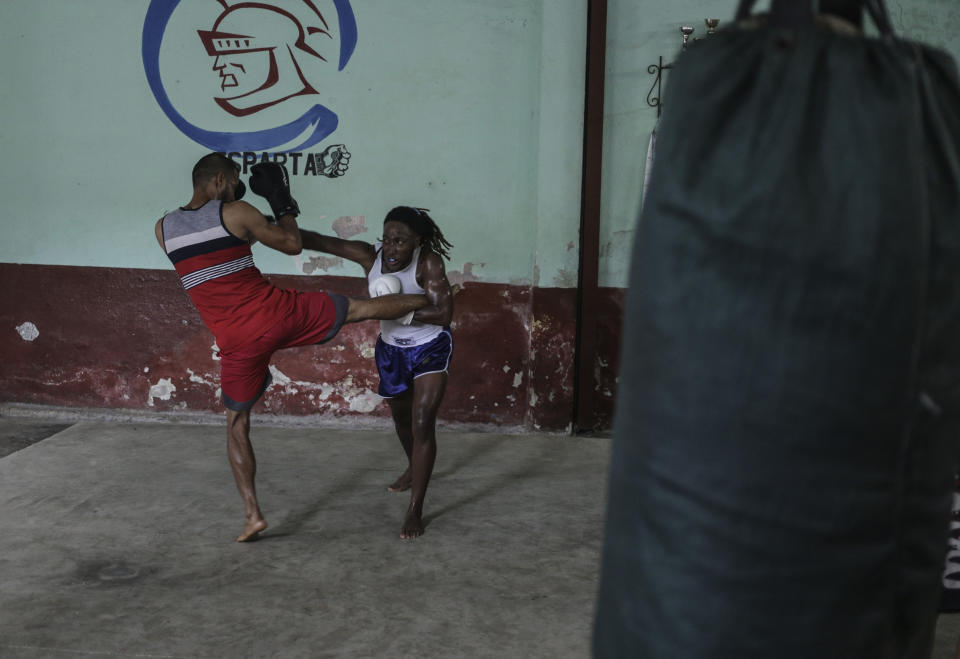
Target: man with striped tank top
(208,241)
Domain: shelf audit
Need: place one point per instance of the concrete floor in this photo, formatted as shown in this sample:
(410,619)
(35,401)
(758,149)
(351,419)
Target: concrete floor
(948,634)
(119,542)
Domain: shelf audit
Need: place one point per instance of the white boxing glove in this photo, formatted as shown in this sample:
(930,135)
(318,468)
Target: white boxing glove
(385,285)
(388,285)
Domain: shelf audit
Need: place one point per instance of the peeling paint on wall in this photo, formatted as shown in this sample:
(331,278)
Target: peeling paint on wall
(348,226)
(600,367)
(513,364)
(281,380)
(458,277)
(565,279)
(28,331)
(163,390)
(210,380)
(365,402)
(315,263)
(325,390)
(540,325)
(360,399)
(326,395)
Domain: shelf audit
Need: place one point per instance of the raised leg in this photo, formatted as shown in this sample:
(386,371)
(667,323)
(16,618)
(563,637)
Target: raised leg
(243,463)
(386,307)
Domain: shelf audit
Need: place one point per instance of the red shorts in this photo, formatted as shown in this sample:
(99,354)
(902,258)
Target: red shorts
(245,371)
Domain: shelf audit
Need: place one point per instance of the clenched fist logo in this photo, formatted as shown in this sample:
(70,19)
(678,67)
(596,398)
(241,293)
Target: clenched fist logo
(333,161)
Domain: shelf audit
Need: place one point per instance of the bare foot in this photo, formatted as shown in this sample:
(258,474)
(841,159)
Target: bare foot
(403,483)
(412,526)
(251,529)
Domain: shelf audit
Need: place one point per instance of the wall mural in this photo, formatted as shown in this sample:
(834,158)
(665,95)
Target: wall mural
(260,56)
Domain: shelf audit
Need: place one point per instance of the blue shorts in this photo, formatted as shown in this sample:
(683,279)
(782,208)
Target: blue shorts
(399,367)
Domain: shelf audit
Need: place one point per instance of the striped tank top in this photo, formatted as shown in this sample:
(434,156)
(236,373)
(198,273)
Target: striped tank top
(216,269)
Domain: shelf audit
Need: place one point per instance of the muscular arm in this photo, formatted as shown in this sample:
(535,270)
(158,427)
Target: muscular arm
(247,223)
(357,251)
(433,278)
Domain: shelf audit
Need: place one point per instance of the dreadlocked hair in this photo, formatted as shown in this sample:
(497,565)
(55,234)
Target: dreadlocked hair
(423,225)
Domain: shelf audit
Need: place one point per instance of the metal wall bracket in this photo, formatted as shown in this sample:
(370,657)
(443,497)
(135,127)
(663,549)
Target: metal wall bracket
(656,70)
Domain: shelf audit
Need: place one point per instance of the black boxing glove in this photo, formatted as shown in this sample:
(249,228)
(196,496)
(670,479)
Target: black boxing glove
(270,181)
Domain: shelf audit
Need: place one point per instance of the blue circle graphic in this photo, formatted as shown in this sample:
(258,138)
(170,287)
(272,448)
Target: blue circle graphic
(321,119)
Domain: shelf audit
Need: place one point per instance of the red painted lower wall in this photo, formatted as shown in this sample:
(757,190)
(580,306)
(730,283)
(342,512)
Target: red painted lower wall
(130,339)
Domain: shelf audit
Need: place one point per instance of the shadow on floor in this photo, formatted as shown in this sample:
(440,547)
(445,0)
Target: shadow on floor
(17,433)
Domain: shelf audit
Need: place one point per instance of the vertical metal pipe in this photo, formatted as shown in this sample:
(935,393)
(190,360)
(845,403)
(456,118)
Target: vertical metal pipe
(584,394)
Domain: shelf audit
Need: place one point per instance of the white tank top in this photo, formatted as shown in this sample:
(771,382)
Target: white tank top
(391,331)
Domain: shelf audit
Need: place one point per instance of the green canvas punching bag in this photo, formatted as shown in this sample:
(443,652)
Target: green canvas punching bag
(788,415)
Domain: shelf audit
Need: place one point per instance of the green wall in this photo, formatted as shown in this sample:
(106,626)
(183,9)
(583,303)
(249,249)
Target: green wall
(471,109)
(640,31)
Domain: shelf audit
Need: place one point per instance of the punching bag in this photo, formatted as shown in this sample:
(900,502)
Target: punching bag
(788,415)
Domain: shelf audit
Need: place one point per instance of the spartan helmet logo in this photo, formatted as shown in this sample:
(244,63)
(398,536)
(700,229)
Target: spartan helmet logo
(258,48)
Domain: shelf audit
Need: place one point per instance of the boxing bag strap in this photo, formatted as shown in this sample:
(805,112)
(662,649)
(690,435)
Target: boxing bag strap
(799,13)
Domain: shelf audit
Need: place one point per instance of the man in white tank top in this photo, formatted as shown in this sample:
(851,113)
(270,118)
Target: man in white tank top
(412,354)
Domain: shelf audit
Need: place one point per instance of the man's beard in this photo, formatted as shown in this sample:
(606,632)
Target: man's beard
(233,194)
